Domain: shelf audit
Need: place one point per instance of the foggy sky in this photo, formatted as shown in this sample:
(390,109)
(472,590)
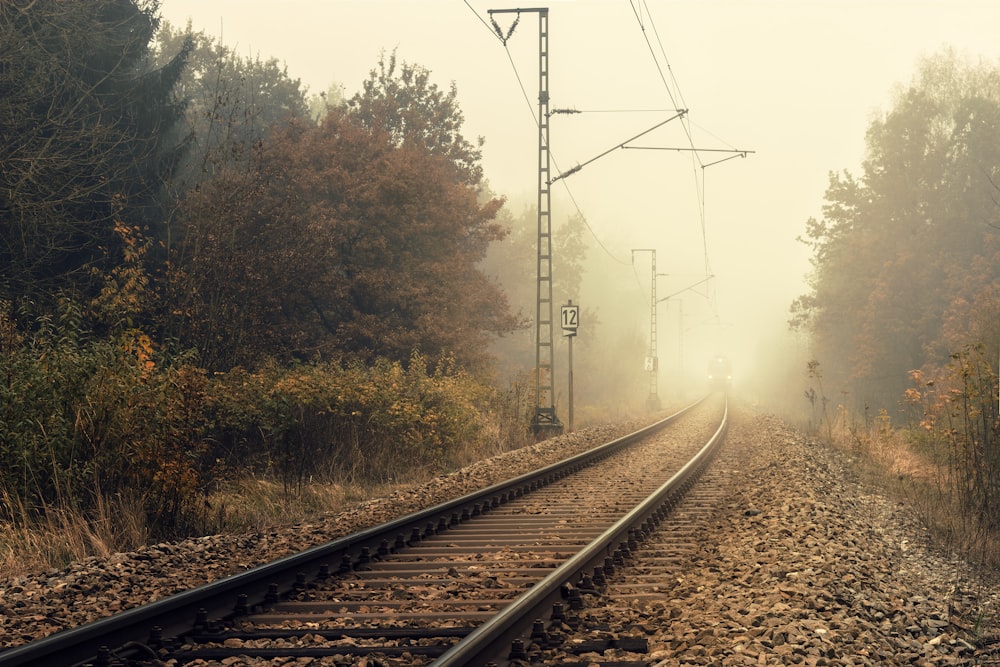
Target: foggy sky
(794,81)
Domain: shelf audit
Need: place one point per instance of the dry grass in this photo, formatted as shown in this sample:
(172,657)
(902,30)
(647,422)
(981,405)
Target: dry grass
(36,542)
(888,458)
(256,504)
(33,541)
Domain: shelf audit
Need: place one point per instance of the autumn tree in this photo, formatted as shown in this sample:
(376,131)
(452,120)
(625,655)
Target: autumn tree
(89,137)
(405,234)
(345,240)
(904,250)
(400,100)
(228,266)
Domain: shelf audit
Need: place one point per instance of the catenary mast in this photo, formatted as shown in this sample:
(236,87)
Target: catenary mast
(544,423)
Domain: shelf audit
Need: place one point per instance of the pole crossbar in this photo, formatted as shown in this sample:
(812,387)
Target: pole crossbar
(580,166)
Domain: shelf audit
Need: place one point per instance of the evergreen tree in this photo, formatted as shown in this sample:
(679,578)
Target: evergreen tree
(87,140)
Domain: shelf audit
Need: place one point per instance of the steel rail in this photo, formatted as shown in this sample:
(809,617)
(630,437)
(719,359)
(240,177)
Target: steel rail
(128,633)
(490,642)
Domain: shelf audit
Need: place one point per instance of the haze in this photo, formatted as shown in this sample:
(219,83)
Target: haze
(793,83)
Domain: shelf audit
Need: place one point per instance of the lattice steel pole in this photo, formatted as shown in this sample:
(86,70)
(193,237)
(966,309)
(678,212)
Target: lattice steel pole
(545,422)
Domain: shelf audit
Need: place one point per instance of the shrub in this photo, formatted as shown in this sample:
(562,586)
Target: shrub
(371,422)
(80,419)
(960,419)
(83,420)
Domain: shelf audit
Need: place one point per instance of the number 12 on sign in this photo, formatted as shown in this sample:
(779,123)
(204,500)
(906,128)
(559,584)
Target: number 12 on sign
(570,319)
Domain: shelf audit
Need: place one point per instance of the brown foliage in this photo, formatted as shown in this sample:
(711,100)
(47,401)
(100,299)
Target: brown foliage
(335,243)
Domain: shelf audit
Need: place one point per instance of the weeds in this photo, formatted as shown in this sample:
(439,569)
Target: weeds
(41,540)
(945,460)
(106,444)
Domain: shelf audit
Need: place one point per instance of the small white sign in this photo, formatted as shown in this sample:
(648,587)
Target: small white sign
(570,319)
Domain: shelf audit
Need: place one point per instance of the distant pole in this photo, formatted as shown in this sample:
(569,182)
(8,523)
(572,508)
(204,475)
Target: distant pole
(680,337)
(652,363)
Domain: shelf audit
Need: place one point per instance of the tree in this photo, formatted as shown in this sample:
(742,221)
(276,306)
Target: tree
(339,243)
(88,140)
(402,238)
(230,264)
(908,246)
(232,102)
(412,110)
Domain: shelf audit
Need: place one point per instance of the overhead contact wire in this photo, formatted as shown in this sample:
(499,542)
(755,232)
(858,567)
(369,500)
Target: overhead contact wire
(696,159)
(534,117)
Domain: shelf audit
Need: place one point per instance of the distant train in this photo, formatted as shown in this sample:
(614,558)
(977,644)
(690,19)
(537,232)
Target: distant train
(720,373)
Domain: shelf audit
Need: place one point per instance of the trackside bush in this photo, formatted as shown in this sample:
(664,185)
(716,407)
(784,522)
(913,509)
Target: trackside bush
(83,420)
(80,420)
(959,419)
(373,423)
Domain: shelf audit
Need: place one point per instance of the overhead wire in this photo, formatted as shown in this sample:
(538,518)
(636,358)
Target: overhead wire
(536,120)
(638,7)
(700,183)
(483,20)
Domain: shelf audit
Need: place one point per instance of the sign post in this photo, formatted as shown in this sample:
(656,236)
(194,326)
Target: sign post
(570,316)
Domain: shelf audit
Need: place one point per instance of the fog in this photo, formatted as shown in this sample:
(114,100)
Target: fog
(792,84)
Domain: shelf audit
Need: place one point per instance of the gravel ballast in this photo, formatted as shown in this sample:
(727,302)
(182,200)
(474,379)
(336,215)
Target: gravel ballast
(802,564)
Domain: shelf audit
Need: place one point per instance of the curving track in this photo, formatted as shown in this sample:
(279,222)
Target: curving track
(467,582)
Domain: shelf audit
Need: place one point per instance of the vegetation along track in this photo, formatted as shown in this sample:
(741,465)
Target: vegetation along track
(466,582)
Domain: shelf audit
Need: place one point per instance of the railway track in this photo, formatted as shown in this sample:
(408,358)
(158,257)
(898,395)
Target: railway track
(486,578)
